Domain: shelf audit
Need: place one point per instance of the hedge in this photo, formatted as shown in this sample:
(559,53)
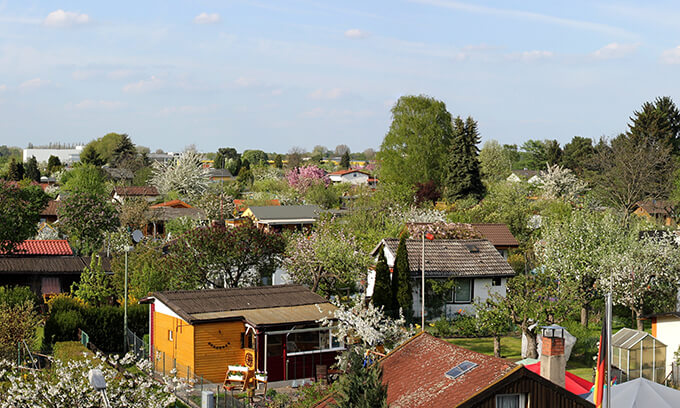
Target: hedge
(103,324)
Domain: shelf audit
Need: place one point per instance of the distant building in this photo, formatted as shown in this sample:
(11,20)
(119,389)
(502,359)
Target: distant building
(150,193)
(350,176)
(66,156)
(277,218)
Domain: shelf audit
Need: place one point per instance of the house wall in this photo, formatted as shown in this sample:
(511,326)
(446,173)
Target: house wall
(354,178)
(481,290)
(178,351)
(211,357)
(666,329)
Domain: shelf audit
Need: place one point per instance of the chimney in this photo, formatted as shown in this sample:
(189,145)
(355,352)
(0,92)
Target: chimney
(553,363)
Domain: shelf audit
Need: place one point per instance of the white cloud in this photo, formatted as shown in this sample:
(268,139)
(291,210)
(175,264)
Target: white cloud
(207,18)
(333,93)
(35,83)
(62,19)
(614,50)
(531,55)
(356,33)
(671,56)
(145,85)
(90,104)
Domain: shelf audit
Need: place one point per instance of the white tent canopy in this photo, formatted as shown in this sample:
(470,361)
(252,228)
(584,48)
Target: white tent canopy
(641,393)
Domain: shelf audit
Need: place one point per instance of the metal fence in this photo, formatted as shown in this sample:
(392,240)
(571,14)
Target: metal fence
(137,346)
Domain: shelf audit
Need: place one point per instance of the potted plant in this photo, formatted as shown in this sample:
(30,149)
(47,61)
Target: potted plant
(235,375)
(261,376)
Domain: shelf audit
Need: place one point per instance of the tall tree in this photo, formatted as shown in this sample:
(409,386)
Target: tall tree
(53,164)
(255,157)
(344,161)
(577,154)
(224,154)
(85,177)
(20,208)
(416,146)
(341,149)
(278,161)
(657,122)
(402,294)
(85,217)
(494,161)
(89,155)
(16,170)
(553,152)
(295,157)
(31,170)
(123,151)
(185,175)
(463,178)
(382,289)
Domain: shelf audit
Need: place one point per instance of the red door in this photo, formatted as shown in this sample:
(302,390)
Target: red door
(275,357)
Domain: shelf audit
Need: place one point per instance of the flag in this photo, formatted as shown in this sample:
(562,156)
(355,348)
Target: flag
(429,236)
(600,373)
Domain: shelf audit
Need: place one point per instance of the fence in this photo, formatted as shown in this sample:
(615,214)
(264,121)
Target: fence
(137,346)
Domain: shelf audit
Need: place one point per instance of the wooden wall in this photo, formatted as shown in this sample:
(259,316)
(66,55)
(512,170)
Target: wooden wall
(211,355)
(181,347)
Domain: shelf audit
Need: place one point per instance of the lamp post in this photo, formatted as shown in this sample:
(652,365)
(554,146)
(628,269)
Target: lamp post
(127,249)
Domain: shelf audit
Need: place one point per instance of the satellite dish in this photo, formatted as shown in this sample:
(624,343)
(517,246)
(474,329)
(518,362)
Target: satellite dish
(137,236)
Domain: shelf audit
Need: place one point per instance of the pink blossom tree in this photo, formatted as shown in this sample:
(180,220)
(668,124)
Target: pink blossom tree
(302,178)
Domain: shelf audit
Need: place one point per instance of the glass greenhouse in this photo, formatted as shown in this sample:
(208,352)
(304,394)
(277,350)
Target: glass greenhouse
(638,354)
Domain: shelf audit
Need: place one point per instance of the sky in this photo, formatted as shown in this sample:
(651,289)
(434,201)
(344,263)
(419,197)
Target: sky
(270,75)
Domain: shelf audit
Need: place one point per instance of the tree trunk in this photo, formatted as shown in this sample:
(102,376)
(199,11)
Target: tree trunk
(532,343)
(640,323)
(497,346)
(584,316)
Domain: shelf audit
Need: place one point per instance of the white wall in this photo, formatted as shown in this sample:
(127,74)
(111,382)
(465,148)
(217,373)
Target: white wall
(668,332)
(64,155)
(482,289)
(352,178)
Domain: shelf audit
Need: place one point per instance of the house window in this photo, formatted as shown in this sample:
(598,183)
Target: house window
(169,335)
(312,342)
(496,281)
(511,401)
(462,293)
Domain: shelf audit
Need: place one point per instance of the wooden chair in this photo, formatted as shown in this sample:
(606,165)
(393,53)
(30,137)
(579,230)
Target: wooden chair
(236,375)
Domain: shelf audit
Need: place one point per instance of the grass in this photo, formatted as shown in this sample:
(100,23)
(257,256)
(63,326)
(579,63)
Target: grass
(70,350)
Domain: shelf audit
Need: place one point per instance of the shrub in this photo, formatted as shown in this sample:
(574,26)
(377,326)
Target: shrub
(465,326)
(17,295)
(442,327)
(62,326)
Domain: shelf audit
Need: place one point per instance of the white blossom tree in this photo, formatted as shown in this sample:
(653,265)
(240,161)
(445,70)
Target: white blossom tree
(561,182)
(185,175)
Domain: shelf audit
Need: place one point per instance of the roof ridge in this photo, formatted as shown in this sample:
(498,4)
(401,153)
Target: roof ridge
(226,289)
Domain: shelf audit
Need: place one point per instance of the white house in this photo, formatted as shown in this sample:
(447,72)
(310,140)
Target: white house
(666,329)
(64,155)
(349,176)
(475,264)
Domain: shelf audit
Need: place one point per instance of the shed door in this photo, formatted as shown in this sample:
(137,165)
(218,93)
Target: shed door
(275,357)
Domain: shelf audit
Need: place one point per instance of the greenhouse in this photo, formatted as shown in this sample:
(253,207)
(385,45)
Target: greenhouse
(638,354)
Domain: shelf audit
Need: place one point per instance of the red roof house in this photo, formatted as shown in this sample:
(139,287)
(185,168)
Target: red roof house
(44,247)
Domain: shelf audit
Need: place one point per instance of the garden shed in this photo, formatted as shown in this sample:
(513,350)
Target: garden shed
(638,354)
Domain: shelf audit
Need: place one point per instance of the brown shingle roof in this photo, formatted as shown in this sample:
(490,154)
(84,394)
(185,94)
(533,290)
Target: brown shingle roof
(655,206)
(136,191)
(194,305)
(452,257)
(498,234)
(51,209)
(47,265)
(171,213)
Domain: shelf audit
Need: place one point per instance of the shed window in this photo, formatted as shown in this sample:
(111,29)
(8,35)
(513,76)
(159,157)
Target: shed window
(462,293)
(170,335)
(511,401)
(496,281)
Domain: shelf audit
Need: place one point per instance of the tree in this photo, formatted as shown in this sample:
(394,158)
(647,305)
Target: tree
(218,256)
(255,157)
(123,151)
(20,208)
(224,154)
(657,122)
(427,192)
(463,178)
(53,164)
(341,149)
(302,178)
(216,204)
(577,154)
(84,217)
(278,161)
(328,260)
(147,271)
(90,155)
(494,318)
(185,175)
(31,170)
(106,146)
(382,289)
(494,161)
(133,213)
(344,161)
(94,286)
(361,386)
(15,171)
(87,178)
(295,157)
(402,294)
(539,152)
(369,154)
(18,322)
(416,146)
(553,152)
(559,182)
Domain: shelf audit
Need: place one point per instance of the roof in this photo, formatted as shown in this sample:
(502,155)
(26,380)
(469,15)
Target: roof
(641,392)
(626,338)
(51,208)
(525,173)
(48,265)
(655,206)
(273,214)
(572,382)
(452,257)
(172,203)
(498,234)
(212,172)
(171,213)
(349,171)
(414,373)
(43,247)
(119,173)
(136,191)
(263,304)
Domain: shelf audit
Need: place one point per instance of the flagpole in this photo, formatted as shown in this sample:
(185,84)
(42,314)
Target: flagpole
(422,287)
(609,350)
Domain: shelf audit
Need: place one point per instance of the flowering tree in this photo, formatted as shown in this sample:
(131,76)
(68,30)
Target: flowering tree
(185,175)
(85,217)
(220,256)
(217,205)
(20,208)
(302,178)
(66,385)
(326,259)
(560,182)
(648,268)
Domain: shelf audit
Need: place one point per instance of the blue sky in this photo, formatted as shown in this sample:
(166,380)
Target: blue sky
(276,74)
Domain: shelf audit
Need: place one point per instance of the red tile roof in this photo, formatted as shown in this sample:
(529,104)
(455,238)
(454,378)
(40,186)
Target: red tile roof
(44,247)
(136,191)
(498,234)
(173,204)
(415,373)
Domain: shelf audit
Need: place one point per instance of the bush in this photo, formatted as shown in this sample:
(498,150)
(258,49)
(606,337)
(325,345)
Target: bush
(442,327)
(17,295)
(62,326)
(586,341)
(465,326)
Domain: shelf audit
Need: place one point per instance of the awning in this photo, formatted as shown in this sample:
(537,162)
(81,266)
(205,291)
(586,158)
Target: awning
(272,316)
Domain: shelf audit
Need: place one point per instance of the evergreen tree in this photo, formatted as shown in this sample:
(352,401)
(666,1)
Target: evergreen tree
(31,170)
(344,161)
(95,285)
(123,151)
(382,289)
(361,387)
(463,178)
(278,161)
(15,171)
(53,164)
(402,296)
(89,155)
(657,122)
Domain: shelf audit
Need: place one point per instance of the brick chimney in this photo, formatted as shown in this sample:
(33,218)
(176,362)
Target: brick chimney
(553,362)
